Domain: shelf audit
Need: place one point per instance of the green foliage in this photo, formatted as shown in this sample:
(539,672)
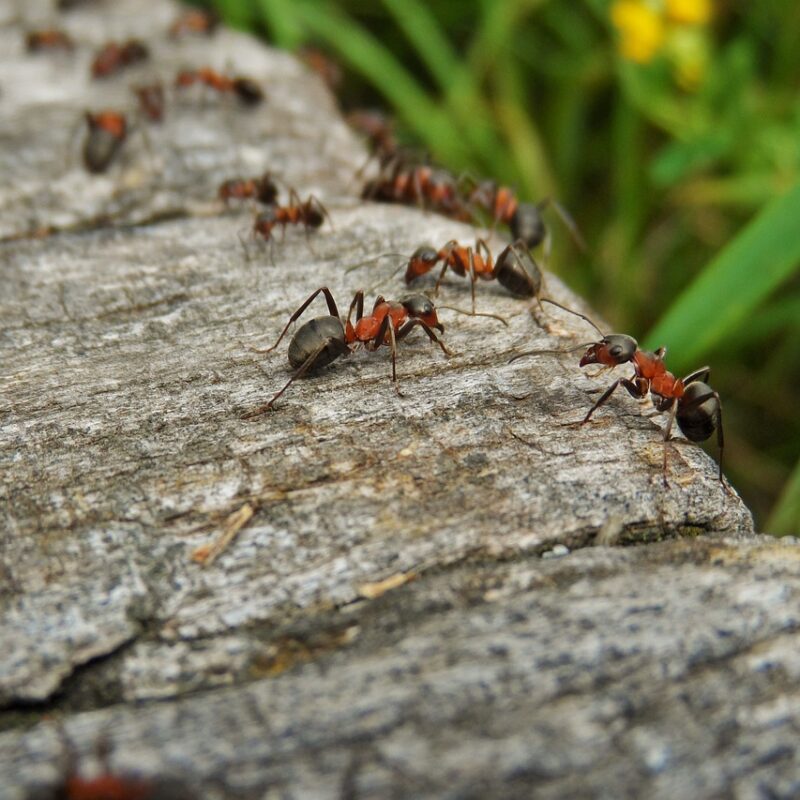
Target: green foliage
(661,163)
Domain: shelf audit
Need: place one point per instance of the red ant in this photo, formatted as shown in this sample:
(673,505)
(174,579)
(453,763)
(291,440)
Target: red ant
(378,130)
(107,133)
(262,189)
(194,21)
(321,63)
(322,340)
(107,785)
(309,213)
(114,57)
(514,269)
(690,401)
(246,89)
(151,100)
(435,189)
(523,219)
(50,39)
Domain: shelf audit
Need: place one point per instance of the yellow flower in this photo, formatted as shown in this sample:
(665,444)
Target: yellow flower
(689,12)
(640,28)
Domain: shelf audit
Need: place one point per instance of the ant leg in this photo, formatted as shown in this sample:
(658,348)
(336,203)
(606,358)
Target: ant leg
(633,389)
(358,305)
(472,276)
(568,221)
(334,312)
(698,401)
(439,279)
(408,326)
(386,327)
(702,374)
(667,431)
(304,367)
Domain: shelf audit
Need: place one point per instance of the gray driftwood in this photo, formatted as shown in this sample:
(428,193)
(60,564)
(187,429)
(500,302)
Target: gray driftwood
(384,623)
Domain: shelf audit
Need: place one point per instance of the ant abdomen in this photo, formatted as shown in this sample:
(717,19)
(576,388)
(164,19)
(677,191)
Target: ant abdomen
(697,418)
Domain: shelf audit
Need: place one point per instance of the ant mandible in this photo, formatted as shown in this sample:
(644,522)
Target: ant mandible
(322,340)
(690,401)
(263,189)
(106,135)
(515,270)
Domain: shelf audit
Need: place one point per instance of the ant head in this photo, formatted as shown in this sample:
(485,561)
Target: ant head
(421,307)
(248,91)
(614,349)
(422,260)
(527,224)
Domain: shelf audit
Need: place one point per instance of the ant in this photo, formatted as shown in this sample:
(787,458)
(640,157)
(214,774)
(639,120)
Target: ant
(322,340)
(263,189)
(690,401)
(246,89)
(515,270)
(378,130)
(523,219)
(419,185)
(107,785)
(309,213)
(151,100)
(50,39)
(107,133)
(195,22)
(114,57)
(320,62)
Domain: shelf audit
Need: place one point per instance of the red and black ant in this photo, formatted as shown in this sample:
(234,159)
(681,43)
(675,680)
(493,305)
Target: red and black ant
(322,340)
(194,22)
(690,401)
(435,189)
(246,89)
(114,57)
(523,219)
(50,39)
(107,785)
(151,100)
(309,213)
(263,189)
(106,135)
(515,270)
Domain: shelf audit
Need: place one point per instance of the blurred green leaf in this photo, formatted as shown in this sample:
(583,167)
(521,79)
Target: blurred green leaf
(785,518)
(754,264)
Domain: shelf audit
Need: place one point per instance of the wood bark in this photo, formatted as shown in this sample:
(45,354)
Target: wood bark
(382,622)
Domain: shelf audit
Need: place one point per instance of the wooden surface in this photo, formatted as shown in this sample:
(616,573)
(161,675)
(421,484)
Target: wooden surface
(383,621)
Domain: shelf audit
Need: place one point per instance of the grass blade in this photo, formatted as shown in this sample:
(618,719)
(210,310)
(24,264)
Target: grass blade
(785,517)
(725,293)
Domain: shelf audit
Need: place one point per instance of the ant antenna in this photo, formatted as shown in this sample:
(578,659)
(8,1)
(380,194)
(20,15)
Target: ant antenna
(570,311)
(549,352)
(375,259)
(474,313)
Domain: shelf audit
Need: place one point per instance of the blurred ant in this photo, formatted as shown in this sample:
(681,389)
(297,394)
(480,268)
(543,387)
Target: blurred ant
(107,785)
(515,270)
(309,213)
(114,57)
(690,401)
(263,189)
(434,189)
(194,22)
(151,100)
(246,89)
(50,39)
(322,340)
(378,130)
(523,219)
(321,63)
(104,139)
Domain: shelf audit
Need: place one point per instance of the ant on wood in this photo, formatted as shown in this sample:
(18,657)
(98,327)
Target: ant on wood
(50,39)
(523,219)
(309,213)
(690,401)
(515,270)
(151,100)
(107,785)
(263,189)
(106,135)
(194,22)
(114,57)
(246,89)
(322,340)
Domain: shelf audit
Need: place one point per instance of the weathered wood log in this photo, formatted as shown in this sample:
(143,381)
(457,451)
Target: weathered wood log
(381,620)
